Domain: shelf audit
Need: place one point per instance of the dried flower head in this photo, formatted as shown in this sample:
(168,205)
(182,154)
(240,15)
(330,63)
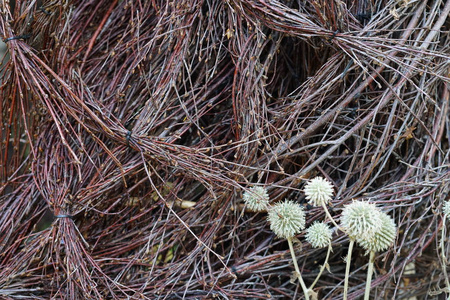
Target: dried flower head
(318,235)
(361,220)
(256,199)
(383,238)
(446,209)
(286,219)
(318,191)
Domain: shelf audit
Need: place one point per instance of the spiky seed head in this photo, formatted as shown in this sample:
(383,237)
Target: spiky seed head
(361,219)
(446,209)
(256,198)
(318,191)
(383,238)
(286,219)
(318,235)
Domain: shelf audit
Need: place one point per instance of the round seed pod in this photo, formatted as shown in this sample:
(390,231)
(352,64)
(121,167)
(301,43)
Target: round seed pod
(361,219)
(383,238)
(318,235)
(256,199)
(318,191)
(286,219)
(446,209)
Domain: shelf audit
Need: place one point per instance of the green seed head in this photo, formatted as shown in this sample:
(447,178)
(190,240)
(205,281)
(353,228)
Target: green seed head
(318,235)
(286,219)
(361,220)
(383,238)
(256,198)
(318,191)
(446,209)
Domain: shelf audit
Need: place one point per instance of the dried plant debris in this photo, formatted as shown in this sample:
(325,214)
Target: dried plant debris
(130,129)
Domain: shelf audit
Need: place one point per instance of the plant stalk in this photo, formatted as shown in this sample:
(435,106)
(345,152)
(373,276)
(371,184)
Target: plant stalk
(330,217)
(322,268)
(347,267)
(444,259)
(297,270)
(369,275)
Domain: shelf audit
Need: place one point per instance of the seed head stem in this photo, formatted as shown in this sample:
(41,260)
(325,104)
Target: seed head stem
(347,267)
(325,264)
(369,275)
(297,270)
(444,258)
(330,217)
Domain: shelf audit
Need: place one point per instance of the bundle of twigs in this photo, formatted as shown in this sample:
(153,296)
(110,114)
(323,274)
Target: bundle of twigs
(130,130)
